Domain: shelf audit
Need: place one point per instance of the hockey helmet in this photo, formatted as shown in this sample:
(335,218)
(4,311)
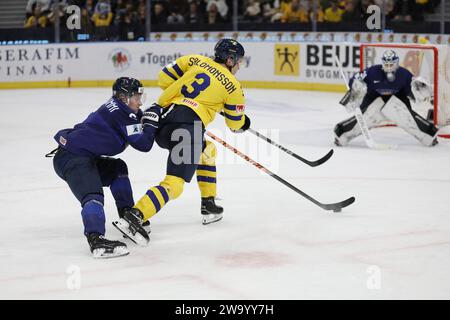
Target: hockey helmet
(228,48)
(127,86)
(390,61)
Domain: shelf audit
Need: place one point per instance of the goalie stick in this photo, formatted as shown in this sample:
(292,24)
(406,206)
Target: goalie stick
(360,119)
(336,207)
(310,163)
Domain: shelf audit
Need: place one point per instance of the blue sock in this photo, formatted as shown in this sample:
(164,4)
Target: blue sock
(122,192)
(93,217)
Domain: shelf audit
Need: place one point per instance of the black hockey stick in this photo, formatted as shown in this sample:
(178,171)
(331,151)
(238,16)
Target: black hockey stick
(336,207)
(296,156)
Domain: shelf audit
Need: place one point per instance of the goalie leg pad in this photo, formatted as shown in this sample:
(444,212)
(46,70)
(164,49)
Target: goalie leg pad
(407,119)
(347,130)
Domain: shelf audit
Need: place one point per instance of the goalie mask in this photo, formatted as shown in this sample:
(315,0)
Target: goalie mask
(390,62)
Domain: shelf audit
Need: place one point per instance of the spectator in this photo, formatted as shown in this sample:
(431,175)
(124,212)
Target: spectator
(418,8)
(320,16)
(103,15)
(180,5)
(306,4)
(141,15)
(402,10)
(102,7)
(119,11)
(343,3)
(390,10)
(295,12)
(159,15)
(351,14)
(37,19)
(194,16)
(212,15)
(44,7)
(60,10)
(86,22)
(222,8)
(333,13)
(128,27)
(271,10)
(175,16)
(90,7)
(252,11)
(140,3)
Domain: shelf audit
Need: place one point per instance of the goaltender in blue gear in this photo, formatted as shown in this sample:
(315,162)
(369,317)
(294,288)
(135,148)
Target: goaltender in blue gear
(384,92)
(83,158)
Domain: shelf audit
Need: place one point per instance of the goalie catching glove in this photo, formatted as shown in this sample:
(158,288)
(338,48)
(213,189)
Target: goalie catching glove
(421,89)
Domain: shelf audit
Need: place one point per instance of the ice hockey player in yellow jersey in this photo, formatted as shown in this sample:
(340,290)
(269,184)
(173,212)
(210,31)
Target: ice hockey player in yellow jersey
(195,89)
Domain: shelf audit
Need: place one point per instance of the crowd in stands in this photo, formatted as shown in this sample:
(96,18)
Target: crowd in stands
(334,11)
(129,16)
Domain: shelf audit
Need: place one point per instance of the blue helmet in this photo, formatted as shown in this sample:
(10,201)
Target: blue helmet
(228,48)
(390,61)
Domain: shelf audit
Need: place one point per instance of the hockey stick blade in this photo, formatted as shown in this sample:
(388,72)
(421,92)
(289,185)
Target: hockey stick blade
(339,205)
(326,206)
(321,160)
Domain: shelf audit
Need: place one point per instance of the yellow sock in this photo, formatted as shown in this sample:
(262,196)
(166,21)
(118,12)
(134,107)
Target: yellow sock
(156,197)
(206,171)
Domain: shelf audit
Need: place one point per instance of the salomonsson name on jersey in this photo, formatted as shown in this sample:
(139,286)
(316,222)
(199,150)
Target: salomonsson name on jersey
(206,87)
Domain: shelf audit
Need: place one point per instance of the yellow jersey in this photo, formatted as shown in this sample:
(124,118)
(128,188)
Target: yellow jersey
(205,86)
(333,16)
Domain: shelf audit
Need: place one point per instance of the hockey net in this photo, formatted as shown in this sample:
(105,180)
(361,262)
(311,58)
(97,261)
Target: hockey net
(431,62)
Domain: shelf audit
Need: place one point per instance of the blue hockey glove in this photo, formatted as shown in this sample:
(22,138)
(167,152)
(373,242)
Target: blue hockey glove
(151,115)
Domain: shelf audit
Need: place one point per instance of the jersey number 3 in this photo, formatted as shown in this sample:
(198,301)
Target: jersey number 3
(197,86)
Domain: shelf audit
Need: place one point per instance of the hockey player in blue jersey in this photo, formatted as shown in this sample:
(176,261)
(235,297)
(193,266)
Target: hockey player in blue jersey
(83,158)
(384,93)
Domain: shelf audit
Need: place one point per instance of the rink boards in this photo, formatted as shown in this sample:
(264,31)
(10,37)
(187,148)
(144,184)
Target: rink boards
(273,65)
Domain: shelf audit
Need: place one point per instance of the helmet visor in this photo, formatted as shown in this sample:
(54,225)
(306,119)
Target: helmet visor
(140,96)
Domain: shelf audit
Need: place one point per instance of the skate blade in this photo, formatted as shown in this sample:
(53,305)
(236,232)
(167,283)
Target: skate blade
(146,228)
(137,238)
(118,252)
(211,218)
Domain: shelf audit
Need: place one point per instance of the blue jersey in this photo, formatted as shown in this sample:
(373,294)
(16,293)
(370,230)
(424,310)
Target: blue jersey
(378,84)
(107,131)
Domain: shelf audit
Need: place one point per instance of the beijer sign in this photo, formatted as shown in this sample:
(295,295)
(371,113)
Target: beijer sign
(323,55)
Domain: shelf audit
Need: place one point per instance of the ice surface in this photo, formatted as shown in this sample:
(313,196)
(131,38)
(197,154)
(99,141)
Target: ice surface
(393,242)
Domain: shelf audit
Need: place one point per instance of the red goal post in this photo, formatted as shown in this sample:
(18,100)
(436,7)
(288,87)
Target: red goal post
(428,61)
